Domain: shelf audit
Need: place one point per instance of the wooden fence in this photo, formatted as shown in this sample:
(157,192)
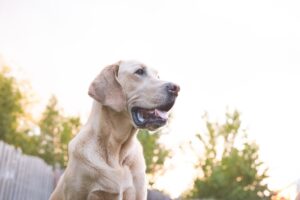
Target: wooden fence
(23,177)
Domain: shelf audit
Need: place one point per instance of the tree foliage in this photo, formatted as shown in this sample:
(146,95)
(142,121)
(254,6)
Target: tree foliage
(13,113)
(56,131)
(228,171)
(155,154)
(10,106)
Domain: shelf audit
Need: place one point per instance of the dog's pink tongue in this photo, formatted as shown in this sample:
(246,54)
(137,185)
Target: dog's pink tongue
(161,114)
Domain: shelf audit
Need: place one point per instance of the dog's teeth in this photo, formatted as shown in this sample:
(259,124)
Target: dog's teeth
(140,117)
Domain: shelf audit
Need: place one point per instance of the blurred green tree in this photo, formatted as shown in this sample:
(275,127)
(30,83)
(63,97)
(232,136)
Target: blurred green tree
(230,166)
(14,119)
(155,154)
(56,131)
(10,105)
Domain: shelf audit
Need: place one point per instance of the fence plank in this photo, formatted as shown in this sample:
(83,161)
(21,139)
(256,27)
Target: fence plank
(23,177)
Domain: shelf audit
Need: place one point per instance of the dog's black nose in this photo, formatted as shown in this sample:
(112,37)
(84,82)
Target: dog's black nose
(173,89)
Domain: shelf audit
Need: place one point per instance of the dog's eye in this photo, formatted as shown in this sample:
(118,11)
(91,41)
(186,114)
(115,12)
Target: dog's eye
(140,71)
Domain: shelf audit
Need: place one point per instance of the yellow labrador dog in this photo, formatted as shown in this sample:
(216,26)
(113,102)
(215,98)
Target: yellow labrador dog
(105,159)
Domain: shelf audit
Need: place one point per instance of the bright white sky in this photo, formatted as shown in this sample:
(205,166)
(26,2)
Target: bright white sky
(236,54)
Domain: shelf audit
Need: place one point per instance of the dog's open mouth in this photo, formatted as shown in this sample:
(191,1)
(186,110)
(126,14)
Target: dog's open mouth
(151,118)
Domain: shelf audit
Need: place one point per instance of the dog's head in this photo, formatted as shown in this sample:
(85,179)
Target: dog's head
(135,88)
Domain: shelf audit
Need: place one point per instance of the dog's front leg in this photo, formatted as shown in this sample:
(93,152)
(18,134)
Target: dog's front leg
(140,186)
(139,181)
(129,194)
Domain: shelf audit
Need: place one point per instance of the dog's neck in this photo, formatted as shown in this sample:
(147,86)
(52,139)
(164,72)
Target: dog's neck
(113,130)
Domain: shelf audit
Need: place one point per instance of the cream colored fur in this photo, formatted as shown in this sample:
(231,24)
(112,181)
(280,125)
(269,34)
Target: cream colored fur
(105,158)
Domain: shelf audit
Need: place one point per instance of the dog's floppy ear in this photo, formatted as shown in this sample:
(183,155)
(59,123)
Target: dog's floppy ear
(107,90)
